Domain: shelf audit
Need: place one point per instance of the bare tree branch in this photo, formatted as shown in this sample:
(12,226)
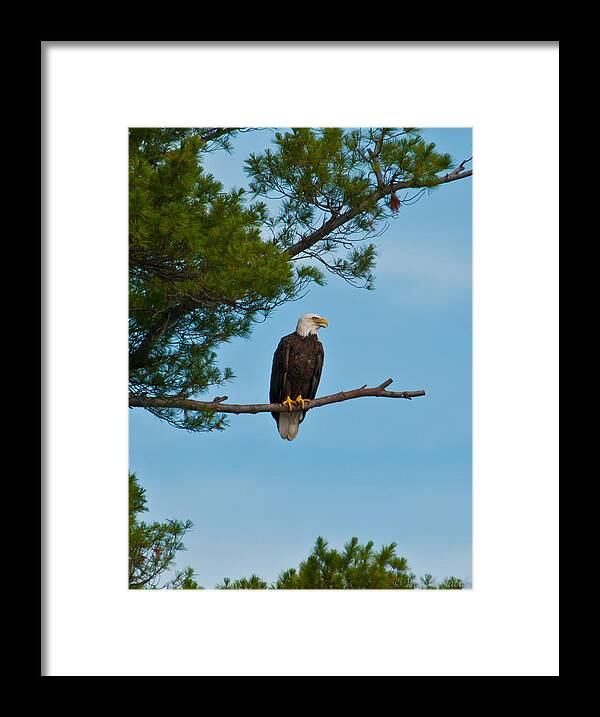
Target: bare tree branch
(217,403)
(460,167)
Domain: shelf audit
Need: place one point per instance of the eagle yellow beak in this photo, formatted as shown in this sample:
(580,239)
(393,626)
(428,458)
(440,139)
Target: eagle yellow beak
(321,322)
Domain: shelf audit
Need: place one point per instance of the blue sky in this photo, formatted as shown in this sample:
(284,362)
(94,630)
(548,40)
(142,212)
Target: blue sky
(379,469)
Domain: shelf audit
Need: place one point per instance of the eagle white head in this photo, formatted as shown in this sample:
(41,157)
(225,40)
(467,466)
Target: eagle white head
(310,324)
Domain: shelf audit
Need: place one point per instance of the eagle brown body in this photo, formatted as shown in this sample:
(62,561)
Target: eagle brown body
(296,371)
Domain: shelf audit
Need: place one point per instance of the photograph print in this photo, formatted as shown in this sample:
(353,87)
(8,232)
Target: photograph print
(300,352)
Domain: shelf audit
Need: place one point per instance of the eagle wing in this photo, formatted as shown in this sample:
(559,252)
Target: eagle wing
(279,372)
(316,376)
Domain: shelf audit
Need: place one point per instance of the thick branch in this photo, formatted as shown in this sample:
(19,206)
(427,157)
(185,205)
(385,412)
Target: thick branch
(338,221)
(139,357)
(218,405)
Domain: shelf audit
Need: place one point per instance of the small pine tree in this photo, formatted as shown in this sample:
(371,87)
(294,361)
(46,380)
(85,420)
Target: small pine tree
(153,547)
(251,583)
(451,584)
(356,567)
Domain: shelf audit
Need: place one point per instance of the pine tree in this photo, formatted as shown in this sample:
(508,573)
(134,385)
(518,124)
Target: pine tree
(251,583)
(153,547)
(199,270)
(206,263)
(356,567)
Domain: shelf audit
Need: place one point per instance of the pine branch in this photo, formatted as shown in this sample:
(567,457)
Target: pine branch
(217,403)
(335,222)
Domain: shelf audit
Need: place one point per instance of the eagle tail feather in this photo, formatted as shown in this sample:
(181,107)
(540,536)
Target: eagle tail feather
(289,423)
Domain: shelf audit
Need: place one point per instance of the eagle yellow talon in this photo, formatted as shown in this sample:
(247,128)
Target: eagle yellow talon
(301,400)
(288,402)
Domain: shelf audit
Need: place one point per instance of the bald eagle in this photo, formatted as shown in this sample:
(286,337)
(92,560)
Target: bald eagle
(297,366)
